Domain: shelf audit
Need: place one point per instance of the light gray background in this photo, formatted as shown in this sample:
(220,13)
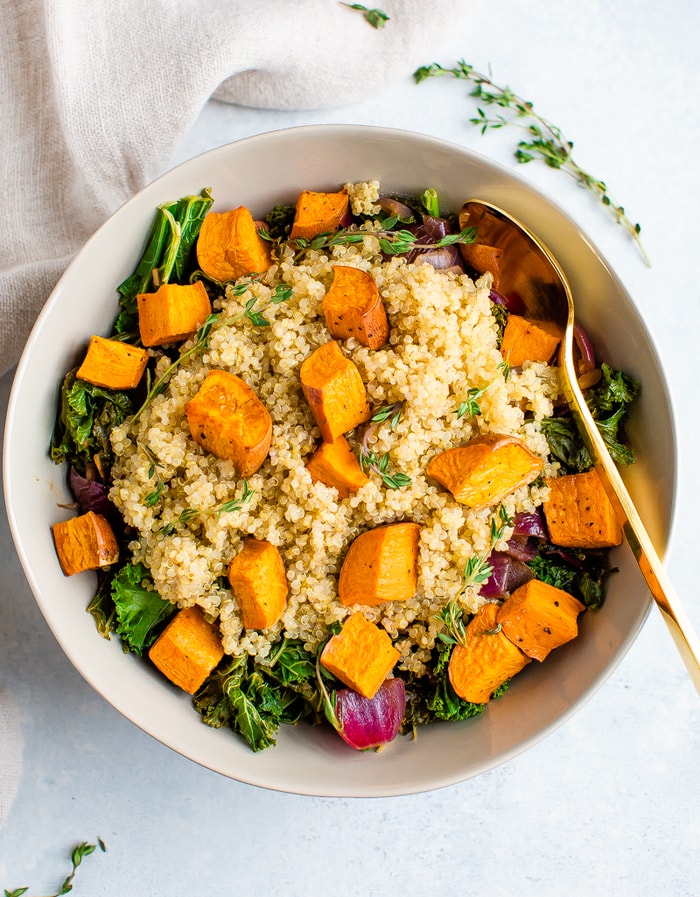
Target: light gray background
(609,802)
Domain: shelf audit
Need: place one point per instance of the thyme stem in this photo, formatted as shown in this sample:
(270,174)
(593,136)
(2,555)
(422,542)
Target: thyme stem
(544,140)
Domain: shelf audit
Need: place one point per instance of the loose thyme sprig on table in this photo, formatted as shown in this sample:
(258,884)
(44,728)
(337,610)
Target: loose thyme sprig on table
(545,141)
(78,854)
(375,17)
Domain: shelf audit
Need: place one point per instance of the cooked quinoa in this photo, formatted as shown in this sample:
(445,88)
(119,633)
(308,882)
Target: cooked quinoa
(443,342)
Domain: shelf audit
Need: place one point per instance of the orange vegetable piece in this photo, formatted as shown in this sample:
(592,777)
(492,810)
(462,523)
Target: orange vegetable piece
(485,470)
(259,582)
(538,617)
(381,565)
(173,313)
(334,389)
(229,246)
(335,464)
(526,340)
(113,364)
(319,213)
(188,649)
(579,513)
(354,308)
(486,660)
(361,655)
(229,420)
(85,542)
(482,258)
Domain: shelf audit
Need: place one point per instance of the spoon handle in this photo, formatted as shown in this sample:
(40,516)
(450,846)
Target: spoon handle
(654,573)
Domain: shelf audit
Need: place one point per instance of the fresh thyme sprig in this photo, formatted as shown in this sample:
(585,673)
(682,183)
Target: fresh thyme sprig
(78,854)
(470,406)
(381,464)
(375,17)
(391,242)
(228,507)
(477,571)
(544,140)
(254,314)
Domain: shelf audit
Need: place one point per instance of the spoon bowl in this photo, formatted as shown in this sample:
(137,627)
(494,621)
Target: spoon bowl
(528,269)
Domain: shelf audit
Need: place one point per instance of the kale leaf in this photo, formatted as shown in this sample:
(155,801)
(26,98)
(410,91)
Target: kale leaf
(254,699)
(140,610)
(580,573)
(86,416)
(609,402)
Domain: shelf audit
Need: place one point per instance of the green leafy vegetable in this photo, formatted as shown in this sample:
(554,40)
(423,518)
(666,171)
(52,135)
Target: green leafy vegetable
(609,402)
(86,416)
(165,258)
(254,699)
(580,573)
(140,610)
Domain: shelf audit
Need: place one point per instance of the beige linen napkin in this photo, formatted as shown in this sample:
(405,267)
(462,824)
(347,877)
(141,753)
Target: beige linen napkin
(95,97)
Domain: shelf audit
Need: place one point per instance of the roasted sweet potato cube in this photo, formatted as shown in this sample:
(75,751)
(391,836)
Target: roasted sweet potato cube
(112,364)
(229,246)
(227,419)
(353,308)
(538,617)
(526,340)
(485,470)
(334,390)
(259,583)
(486,660)
(319,213)
(482,258)
(361,655)
(85,542)
(173,313)
(579,513)
(188,649)
(381,565)
(336,465)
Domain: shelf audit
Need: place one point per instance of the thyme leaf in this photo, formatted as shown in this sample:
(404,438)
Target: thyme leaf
(543,140)
(78,854)
(375,17)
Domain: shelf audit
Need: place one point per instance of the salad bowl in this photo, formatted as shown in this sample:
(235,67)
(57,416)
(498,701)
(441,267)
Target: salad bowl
(260,172)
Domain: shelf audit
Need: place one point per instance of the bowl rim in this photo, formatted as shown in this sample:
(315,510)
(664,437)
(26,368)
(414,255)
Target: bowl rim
(154,187)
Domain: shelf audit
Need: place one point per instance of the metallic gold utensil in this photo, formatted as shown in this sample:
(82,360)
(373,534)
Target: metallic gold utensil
(528,268)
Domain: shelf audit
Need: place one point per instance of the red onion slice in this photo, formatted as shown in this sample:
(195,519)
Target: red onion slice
(371,722)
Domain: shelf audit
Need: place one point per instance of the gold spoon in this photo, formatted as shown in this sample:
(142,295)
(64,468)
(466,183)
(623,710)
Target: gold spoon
(528,268)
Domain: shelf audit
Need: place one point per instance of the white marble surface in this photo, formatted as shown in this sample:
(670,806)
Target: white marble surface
(609,802)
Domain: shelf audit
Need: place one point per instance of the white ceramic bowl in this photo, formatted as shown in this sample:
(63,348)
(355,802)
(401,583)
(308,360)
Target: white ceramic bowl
(259,172)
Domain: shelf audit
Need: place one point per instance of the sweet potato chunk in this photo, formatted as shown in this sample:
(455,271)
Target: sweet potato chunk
(381,565)
(526,340)
(538,617)
(229,246)
(188,649)
(85,542)
(172,313)
(259,582)
(485,470)
(353,308)
(229,420)
(361,655)
(579,513)
(485,660)
(335,464)
(113,364)
(482,258)
(319,213)
(334,389)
